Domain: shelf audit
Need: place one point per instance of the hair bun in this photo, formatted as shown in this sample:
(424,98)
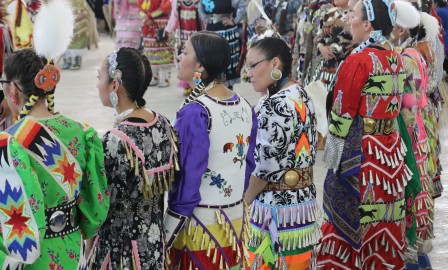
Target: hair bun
(47,78)
(141,102)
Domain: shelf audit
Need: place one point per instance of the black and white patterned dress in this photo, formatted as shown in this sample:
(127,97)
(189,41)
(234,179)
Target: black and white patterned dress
(133,231)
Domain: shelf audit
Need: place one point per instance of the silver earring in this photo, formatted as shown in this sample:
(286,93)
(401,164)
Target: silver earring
(113,97)
(276,74)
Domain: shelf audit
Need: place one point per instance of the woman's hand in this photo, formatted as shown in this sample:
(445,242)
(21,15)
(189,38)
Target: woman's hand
(327,52)
(227,21)
(256,185)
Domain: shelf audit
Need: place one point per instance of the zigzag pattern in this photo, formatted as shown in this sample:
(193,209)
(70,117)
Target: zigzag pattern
(50,152)
(28,106)
(9,192)
(22,249)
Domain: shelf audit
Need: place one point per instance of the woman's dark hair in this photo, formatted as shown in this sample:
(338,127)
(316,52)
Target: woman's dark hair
(136,73)
(427,6)
(275,47)
(382,20)
(212,52)
(21,67)
(441,3)
(418,32)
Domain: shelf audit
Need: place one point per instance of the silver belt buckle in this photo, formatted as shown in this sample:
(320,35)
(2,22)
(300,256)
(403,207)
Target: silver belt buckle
(58,221)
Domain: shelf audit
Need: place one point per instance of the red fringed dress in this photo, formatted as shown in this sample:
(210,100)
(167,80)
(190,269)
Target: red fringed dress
(368,92)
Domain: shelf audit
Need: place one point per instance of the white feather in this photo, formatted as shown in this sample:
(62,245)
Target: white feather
(53,28)
(431,26)
(318,94)
(407,15)
(253,13)
(260,8)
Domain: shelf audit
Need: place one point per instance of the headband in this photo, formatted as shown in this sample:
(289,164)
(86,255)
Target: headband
(114,73)
(377,35)
(391,10)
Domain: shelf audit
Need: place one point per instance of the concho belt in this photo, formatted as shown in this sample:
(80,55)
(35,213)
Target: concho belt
(61,220)
(378,126)
(293,179)
(124,207)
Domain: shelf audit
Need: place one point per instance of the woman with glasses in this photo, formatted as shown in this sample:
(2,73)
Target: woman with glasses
(205,222)
(65,157)
(281,191)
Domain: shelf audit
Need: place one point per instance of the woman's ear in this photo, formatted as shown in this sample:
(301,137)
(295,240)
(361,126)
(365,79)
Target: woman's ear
(368,26)
(276,63)
(115,85)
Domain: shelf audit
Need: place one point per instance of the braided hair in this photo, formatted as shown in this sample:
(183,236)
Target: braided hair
(136,74)
(22,67)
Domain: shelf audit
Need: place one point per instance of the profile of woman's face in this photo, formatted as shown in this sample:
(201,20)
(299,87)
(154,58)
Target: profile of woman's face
(258,70)
(188,63)
(104,84)
(357,24)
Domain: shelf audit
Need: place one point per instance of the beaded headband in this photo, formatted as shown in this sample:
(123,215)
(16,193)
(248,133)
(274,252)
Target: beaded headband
(391,9)
(114,73)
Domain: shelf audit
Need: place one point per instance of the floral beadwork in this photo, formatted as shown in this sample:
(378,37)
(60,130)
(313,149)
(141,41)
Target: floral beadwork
(219,182)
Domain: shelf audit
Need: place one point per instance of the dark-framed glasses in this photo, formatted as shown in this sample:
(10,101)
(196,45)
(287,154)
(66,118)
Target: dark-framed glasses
(2,82)
(251,67)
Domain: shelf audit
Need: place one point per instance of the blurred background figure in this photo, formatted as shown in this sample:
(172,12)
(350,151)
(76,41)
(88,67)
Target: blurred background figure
(184,21)
(128,24)
(155,14)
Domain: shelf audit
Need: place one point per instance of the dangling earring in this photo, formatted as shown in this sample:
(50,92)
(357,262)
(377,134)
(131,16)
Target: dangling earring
(197,77)
(12,98)
(113,97)
(276,74)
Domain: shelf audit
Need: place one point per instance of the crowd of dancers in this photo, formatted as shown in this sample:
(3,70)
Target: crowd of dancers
(226,184)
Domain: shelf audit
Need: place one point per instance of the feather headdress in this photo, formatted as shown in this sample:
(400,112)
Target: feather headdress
(53,31)
(408,16)
(53,28)
(431,26)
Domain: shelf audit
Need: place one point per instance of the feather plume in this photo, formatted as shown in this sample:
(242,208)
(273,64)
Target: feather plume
(253,13)
(408,16)
(318,94)
(431,26)
(53,28)
(263,14)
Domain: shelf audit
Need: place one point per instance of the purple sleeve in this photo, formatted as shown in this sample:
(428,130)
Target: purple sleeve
(250,152)
(191,126)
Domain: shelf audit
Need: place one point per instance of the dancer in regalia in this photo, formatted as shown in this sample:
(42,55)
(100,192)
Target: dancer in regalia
(65,157)
(205,222)
(364,187)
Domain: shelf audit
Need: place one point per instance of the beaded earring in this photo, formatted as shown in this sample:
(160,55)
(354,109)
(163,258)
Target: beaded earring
(197,77)
(113,97)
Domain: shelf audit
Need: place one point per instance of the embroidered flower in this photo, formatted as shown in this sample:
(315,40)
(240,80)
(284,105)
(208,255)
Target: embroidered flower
(228,191)
(154,233)
(209,5)
(217,180)
(71,254)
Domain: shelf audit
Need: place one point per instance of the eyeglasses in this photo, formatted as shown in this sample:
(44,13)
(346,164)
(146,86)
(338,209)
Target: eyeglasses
(251,67)
(4,81)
